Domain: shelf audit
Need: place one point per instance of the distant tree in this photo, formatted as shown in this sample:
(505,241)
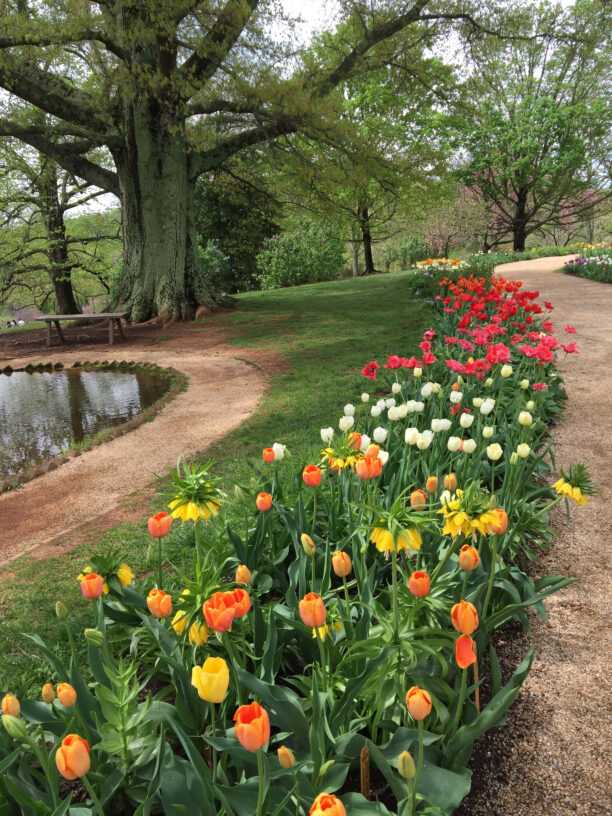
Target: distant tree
(537,136)
(38,253)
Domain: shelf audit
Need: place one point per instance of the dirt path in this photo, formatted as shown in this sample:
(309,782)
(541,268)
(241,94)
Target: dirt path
(114,482)
(556,755)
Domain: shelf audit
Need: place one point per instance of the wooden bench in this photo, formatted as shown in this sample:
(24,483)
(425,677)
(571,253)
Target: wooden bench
(113,318)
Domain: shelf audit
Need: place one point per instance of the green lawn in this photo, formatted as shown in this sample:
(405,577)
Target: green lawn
(323,334)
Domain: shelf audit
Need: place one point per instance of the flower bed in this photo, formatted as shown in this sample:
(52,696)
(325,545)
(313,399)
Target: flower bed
(326,653)
(596,266)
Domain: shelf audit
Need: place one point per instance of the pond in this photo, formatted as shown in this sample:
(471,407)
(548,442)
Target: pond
(44,412)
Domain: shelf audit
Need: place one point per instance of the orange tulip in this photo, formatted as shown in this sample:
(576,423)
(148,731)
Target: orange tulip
(268,455)
(418,703)
(468,558)
(368,468)
(159,603)
(263,502)
(312,610)
(48,693)
(72,757)
(243,574)
(66,695)
(10,705)
(326,804)
(431,485)
(342,564)
(219,611)
(311,476)
(464,617)
(242,602)
(418,499)
(355,440)
(465,651)
(92,585)
(450,482)
(418,584)
(372,451)
(252,726)
(500,525)
(159,525)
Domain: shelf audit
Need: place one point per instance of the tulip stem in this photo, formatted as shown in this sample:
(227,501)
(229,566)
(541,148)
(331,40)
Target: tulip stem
(213,728)
(227,642)
(261,794)
(394,594)
(485,606)
(96,802)
(460,701)
(349,622)
(451,548)
(159,562)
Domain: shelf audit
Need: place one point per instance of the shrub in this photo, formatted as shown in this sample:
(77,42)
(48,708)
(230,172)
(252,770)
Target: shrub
(312,254)
(214,271)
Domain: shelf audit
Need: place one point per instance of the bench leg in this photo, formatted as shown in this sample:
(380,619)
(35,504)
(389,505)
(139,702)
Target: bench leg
(120,327)
(111,335)
(48,334)
(60,332)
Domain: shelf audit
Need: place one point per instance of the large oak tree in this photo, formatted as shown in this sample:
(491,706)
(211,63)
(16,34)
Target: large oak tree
(171,90)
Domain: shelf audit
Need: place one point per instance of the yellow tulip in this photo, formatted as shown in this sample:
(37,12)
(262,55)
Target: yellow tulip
(211,680)
(198,634)
(125,575)
(179,622)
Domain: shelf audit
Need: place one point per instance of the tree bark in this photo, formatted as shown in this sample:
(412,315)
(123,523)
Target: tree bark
(519,223)
(366,237)
(355,250)
(60,270)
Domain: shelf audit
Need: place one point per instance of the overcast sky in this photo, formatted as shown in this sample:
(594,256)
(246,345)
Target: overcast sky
(316,14)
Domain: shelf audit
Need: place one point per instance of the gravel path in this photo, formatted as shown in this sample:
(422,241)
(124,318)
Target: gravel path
(556,747)
(114,482)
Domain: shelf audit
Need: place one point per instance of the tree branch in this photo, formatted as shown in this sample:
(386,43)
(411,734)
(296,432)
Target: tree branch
(41,34)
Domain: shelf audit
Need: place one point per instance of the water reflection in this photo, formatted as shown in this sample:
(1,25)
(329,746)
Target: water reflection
(42,413)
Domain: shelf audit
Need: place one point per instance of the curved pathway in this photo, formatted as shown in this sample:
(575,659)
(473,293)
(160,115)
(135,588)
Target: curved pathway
(114,482)
(556,747)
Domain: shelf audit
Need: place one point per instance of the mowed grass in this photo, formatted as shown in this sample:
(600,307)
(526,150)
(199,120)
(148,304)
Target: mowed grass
(320,335)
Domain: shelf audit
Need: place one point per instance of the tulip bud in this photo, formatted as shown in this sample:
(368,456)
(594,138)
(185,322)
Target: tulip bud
(488,431)
(523,450)
(286,757)
(495,451)
(94,636)
(469,445)
(466,420)
(342,564)
(453,444)
(418,702)
(524,384)
(346,423)
(396,388)
(418,499)
(477,402)
(14,727)
(61,610)
(417,372)
(406,766)
(525,419)
(431,485)
(375,411)
(66,695)
(308,545)
(468,558)
(488,382)
(243,574)
(379,435)
(450,482)
(10,705)
(47,693)
(506,371)
(365,397)
(327,434)
(530,405)
(514,458)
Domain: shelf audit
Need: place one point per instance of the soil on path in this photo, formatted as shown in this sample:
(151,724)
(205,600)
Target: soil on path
(553,757)
(114,482)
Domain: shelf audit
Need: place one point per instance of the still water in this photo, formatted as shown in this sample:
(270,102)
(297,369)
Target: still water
(43,412)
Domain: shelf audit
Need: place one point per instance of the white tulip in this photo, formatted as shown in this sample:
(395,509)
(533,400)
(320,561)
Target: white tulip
(426,390)
(346,423)
(403,410)
(487,406)
(436,387)
(506,371)
(417,372)
(469,445)
(394,413)
(488,431)
(365,397)
(524,384)
(411,435)
(523,450)
(365,442)
(383,456)
(453,443)
(530,405)
(445,497)
(349,409)
(514,458)
(466,420)
(382,404)
(379,435)
(389,403)
(456,396)
(279,451)
(440,425)
(477,402)
(488,382)
(375,411)
(495,451)
(396,388)
(410,406)
(525,419)
(424,440)
(327,434)
(419,407)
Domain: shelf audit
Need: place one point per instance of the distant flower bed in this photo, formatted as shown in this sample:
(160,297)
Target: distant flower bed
(435,265)
(595,267)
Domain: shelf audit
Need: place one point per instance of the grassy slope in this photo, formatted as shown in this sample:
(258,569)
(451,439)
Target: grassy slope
(324,332)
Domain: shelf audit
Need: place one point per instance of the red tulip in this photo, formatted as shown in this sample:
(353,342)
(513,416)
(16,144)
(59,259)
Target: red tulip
(159,525)
(465,651)
(252,726)
(311,476)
